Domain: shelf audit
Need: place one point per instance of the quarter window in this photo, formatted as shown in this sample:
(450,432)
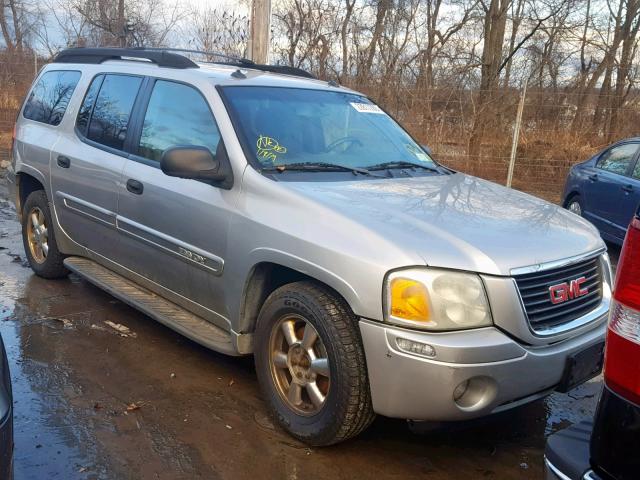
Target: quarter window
(177,115)
(618,159)
(50,96)
(84,115)
(109,119)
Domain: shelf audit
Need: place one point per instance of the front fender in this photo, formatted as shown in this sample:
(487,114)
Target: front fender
(333,280)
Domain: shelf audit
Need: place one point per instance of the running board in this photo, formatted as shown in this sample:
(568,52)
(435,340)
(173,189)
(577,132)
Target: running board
(158,308)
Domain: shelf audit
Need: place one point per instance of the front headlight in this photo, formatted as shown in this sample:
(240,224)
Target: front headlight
(435,299)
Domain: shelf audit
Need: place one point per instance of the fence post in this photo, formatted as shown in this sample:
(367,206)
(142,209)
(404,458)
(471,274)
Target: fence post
(516,134)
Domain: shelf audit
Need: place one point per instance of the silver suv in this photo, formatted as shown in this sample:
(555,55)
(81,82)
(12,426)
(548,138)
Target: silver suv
(259,211)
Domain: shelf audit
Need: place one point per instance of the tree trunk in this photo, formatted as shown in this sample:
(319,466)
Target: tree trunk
(344,30)
(629,37)
(517,20)
(5,28)
(494,29)
(381,13)
(17,28)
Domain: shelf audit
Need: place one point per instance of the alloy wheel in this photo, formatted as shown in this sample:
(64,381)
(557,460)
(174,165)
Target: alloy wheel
(575,208)
(37,235)
(299,365)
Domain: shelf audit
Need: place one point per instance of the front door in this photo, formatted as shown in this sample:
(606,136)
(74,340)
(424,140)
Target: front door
(86,167)
(630,200)
(604,188)
(174,231)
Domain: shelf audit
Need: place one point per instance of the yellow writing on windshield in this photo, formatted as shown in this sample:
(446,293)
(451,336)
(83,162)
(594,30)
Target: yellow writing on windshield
(268,148)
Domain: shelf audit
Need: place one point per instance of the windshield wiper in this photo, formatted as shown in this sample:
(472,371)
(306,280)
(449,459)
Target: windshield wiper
(317,167)
(401,164)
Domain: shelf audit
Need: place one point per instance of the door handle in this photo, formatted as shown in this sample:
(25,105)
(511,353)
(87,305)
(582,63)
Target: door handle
(63,161)
(628,188)
(134,186)
(593,177)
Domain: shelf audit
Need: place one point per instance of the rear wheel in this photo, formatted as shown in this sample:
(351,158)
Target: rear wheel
(574,205)
(39,239)
(311,366)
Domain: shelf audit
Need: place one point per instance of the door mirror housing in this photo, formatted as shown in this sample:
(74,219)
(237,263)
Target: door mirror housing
(198,163)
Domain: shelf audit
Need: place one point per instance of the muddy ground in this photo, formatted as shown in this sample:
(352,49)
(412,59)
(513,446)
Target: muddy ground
(90,403)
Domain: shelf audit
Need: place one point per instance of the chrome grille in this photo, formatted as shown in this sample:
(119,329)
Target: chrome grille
(534,291)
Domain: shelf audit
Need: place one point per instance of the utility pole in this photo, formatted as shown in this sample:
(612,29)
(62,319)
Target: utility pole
(122,28)
(516,134)
(260,31)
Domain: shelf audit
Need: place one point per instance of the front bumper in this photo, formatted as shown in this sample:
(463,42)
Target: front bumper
(502,373)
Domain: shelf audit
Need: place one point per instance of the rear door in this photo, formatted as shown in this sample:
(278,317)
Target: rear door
(606,186)
(43,119)
(87,163)
(173,230)
(630,196)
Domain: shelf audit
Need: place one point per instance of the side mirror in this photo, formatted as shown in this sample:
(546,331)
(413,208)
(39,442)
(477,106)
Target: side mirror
(189,161)
(427,150)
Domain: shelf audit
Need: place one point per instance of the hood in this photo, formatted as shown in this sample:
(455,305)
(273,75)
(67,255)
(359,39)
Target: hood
(458,221)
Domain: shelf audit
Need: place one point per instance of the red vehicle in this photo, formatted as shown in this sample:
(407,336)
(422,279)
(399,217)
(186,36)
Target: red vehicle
(608,447)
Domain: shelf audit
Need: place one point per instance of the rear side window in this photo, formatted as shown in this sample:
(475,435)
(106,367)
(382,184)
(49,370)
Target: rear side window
(636,171)
(49,98)
(618,159)
(84,115)
(105,111)
(177,115)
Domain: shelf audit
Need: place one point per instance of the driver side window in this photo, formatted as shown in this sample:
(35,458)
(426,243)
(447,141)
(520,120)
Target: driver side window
(618,159)
(177,114)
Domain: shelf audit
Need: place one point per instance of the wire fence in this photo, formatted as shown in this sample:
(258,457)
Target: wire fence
(558,129)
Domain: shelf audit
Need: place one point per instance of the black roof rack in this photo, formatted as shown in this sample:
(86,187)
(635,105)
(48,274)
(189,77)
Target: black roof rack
(99,55)
(282,69)
(164,57)
(239,62)
(232,58)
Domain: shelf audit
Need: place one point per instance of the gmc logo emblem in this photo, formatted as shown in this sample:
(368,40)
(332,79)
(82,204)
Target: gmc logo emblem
(567,291)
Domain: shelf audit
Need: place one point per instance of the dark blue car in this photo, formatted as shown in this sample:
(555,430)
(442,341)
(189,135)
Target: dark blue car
(6,417)
(606,189)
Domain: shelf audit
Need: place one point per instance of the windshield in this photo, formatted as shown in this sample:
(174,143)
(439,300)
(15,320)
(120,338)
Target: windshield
(286,126)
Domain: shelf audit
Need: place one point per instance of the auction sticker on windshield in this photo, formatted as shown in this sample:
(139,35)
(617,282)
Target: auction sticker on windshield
(268,147)
(366,107)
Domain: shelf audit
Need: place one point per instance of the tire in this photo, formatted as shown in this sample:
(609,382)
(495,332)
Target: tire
(574,204)
(346,410)
(46,261)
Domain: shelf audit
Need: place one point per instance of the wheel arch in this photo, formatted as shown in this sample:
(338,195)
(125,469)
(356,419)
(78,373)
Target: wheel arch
(268,275)
(26,184)
(570,196)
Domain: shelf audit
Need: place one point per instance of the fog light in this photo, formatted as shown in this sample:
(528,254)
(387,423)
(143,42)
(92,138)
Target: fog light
(416,348)
(460,390)
(475,393)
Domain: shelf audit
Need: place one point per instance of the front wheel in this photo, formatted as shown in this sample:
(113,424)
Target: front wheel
(574,205)
(311,365)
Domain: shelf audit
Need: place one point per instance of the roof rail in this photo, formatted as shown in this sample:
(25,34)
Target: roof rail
(282,69)
(237,61)
(98,55)
(163,57)
(233,58)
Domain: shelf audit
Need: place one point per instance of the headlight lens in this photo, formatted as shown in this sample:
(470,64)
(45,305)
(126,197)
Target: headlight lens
(434,299)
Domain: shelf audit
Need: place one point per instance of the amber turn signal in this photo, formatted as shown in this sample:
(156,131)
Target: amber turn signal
(409,300)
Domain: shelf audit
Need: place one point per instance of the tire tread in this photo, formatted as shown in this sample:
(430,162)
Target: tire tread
(357,411)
